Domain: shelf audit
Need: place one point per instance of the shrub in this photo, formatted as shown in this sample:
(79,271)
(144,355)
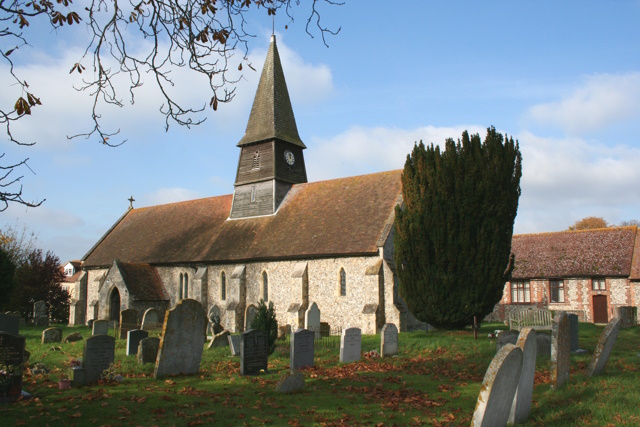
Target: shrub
(265,320)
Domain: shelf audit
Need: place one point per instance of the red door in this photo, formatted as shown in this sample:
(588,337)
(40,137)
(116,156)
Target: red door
(600,309)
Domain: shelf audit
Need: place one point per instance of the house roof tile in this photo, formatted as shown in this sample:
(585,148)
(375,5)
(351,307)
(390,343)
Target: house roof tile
(142,281)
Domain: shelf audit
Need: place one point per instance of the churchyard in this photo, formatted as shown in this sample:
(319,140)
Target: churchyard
(434,379)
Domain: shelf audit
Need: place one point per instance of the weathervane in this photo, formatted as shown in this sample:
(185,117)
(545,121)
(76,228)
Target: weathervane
(131,200)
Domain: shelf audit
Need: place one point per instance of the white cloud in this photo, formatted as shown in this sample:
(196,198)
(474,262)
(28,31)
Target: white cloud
(167,195)
(602,100)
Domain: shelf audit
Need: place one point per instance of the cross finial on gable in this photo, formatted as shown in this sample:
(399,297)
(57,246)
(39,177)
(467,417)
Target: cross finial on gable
(131,200)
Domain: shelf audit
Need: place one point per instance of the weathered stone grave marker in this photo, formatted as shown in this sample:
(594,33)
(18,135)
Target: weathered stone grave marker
(389,340)
(148,350)
(9,324)
(527,342)
(249,314)
(133,339)
(97,356)
(312,319)
(234,344)
(254,352)
(214,327)
(152,319)
(350,345)
(574,328)
(220,340)
(603,348)
(302,349)
(51,335)
(498,388)
(128,321)
(100,327)
(560,350)
(11,356)
(182,340)
(39,309)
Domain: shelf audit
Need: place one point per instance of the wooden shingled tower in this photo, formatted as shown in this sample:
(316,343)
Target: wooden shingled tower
(271,159)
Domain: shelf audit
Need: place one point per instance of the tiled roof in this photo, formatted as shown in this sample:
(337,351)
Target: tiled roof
(585,253)
(340,217)
(635,263)
(143,281)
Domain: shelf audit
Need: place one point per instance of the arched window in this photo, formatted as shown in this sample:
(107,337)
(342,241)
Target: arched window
(180,287)
(223,286)
(343,283)
(186,286)
(253,194)
(265,286)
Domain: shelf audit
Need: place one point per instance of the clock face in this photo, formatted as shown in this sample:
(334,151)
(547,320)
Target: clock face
(289,157)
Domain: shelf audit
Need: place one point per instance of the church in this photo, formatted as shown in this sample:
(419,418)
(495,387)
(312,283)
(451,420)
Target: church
(277,238)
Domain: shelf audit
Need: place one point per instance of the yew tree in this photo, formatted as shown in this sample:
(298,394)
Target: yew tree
(453,232)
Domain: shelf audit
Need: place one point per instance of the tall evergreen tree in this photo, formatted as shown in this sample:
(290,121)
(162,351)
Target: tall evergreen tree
(453,234)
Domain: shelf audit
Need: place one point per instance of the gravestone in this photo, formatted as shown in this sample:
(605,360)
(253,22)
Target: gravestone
(90,323)
(498,388)
(234,344)
(51,335)
(73,337)
(627,316)
(302,348)
(148,350)
(41,321)
(574,328)
(100,327)
(152,319)
(220,340)
(128,321)
(521,406)
(182,340)
(249,314)
(603,348)
(312,319)
(350,345)
(389,340)
(133,339)
(254,352)
(214,327)
(290,382)
(9,324)
(506,337)
(560,350)
(39,309)
(97,356)
(11,357)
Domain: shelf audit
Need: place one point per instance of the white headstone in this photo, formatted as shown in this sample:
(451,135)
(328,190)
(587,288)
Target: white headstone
(312,319)
(151,319)
(350,345)
(527,342)
(100,327)
(389,340)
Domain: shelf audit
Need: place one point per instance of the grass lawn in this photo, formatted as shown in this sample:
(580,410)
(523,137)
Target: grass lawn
(434,380)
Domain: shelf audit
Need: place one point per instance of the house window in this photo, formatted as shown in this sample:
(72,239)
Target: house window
(556,291)
(343,283)
(68,271)
(265,286)
(520,292)
(599,284)
(180,287)
(186,286)
(223,286)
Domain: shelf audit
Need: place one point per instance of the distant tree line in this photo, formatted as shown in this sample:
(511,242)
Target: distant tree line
(594,222)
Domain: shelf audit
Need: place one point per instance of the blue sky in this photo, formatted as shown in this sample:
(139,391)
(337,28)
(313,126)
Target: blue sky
(561,77)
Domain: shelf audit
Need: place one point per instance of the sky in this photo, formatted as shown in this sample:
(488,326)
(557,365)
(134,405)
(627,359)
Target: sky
(563,78)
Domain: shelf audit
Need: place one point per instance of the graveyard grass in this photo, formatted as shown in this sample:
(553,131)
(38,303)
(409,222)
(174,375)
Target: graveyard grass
(434,380)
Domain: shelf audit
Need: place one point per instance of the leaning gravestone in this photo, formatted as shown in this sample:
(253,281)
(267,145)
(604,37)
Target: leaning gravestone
(151,319)
(97,356)
(312,319)
(11,359)
(250,313)
(220,340)
(9,324)
(290,382)
(254,352)
(498,388)
(234,344)
(51,335)
(521,407)
(128,321)
(603,348)
(389,340)
(148,350)
(574,328)
(350,345)
(302,348)
(100,327)
(560,350)
(182,340)
(133,339)
(39,309)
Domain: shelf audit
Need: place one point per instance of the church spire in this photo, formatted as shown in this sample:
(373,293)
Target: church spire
(271,115)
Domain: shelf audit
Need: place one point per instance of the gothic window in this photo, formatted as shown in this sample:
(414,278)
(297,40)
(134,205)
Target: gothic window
(180,287)
(556,290)
(186,286)
(255,165)
(520,291)
(265,286)
(599,284)
(343,283)
(223,286)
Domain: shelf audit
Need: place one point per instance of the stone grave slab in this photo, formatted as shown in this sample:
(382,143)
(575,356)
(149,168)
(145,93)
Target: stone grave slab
(234,344)
(9,324)
(51,335)
(350,345)
(603,348)
(133,339)
(312,319)
(97,356)
(41,321)
(560,350)
(148,350)
(389,340)
(498,388)
(100,327)
(128,321)
(152,319)
(527,342)
(290,382)
(220,340)
(249,314)
(574,328)
(302,349)
(11,356)
(182,340)
(254,352)
(39,309)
